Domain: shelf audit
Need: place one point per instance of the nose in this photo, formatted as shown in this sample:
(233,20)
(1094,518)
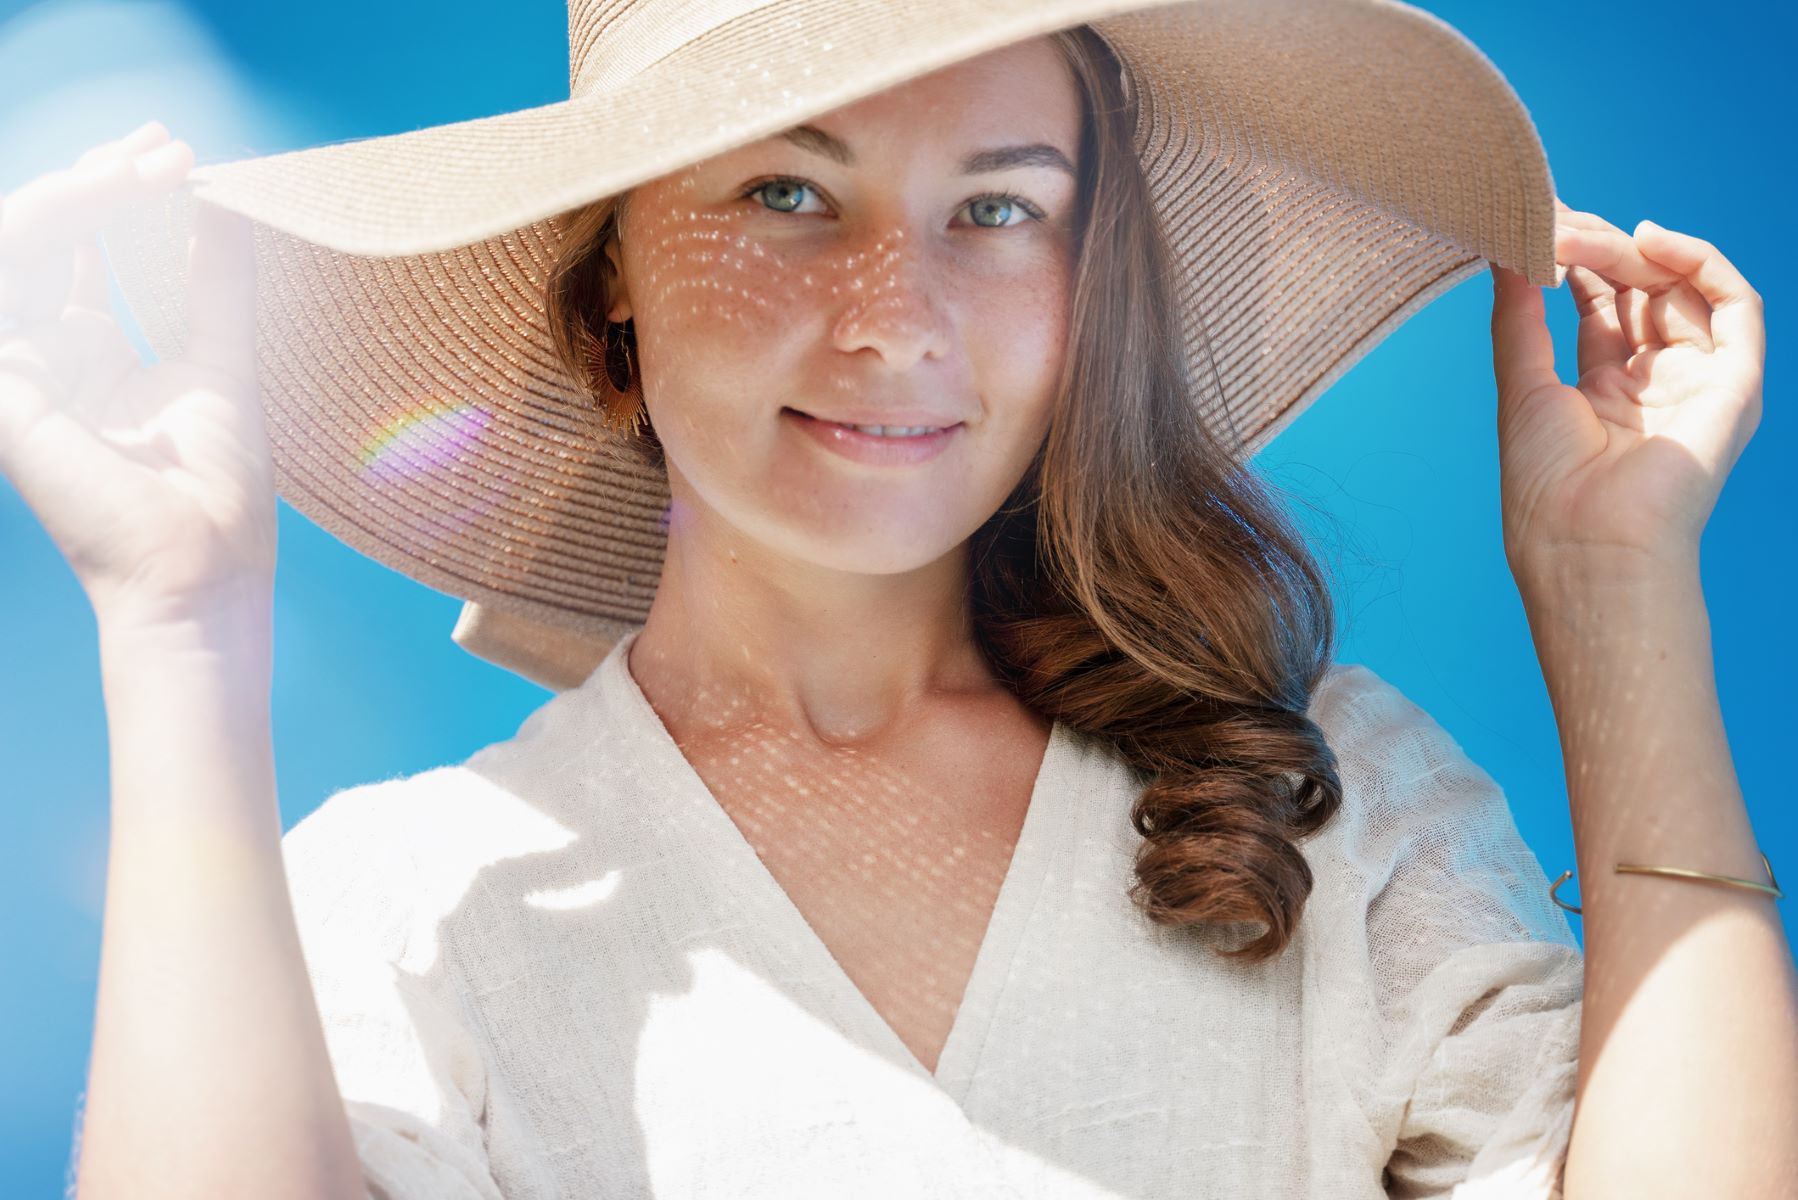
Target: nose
(891,303)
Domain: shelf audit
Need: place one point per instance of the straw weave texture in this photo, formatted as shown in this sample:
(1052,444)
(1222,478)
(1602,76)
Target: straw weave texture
(1322,168)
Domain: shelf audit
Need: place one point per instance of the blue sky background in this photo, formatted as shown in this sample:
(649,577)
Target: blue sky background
(1662,110)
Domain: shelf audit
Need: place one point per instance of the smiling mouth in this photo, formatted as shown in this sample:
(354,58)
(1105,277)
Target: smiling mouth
(905,430)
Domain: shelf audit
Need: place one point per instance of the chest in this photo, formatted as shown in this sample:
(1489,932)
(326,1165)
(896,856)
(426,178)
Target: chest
(895,861)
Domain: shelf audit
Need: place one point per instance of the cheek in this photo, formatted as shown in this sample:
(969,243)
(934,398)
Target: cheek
(714,313)
(1037,323)
(703,292)
(1017,337)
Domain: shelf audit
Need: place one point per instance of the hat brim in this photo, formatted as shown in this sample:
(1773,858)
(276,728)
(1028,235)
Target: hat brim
(1323,169)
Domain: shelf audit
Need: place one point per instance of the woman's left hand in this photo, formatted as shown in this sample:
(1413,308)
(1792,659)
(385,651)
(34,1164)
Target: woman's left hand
(1624,467)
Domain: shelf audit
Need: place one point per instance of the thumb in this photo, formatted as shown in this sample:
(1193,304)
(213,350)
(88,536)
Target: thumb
(1523,350)
(221,292)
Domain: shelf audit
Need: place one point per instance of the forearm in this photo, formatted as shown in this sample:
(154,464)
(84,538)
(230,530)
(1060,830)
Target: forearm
(209,1073)
(1688,1074)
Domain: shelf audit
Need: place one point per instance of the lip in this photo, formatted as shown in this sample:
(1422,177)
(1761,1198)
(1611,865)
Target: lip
(871,448)
(905,418)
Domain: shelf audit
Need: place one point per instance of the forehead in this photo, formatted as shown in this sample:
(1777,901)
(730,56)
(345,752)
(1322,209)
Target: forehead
(1017,106)
(1019,94)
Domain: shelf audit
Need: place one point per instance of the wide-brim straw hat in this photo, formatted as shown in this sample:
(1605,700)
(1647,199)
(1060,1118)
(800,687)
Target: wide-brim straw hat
(1323,169)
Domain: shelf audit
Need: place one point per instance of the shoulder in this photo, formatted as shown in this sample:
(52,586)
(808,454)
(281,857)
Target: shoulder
(1363,716)
(1424,831)
(422,836)
(354,863)
(1398,765)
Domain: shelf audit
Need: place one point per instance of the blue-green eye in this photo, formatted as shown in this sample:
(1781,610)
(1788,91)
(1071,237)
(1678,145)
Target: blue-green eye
(777,187)
(1001,203)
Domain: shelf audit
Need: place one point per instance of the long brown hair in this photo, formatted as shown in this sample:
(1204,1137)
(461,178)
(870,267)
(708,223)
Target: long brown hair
(1141,584)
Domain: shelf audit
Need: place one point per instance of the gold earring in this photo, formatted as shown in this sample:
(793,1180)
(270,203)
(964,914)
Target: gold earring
(632,386)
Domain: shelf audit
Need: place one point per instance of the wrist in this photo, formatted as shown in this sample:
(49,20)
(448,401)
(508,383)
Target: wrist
(231,610)
(1593,620)
(1559,574)
(226,637)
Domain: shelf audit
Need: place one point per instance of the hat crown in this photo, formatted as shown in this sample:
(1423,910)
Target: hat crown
(612,41)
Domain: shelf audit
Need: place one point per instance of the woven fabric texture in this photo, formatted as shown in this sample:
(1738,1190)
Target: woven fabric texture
(556,969)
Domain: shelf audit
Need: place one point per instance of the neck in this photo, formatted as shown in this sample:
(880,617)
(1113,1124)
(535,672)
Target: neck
(741,634)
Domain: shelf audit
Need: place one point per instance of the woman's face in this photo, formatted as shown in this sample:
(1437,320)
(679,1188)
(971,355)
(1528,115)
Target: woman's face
(878,282)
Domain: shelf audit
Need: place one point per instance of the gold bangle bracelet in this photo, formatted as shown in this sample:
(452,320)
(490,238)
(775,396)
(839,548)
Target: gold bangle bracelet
(1771,887)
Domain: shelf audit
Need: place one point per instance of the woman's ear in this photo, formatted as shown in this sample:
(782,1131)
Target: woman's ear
(620,310)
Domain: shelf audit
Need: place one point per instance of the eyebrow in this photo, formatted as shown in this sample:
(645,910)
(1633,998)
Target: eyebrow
(1037,154)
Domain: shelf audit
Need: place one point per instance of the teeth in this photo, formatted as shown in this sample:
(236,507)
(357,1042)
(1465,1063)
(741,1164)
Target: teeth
(890,430)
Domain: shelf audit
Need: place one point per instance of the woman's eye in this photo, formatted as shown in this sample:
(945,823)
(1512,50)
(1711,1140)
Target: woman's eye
(1003,204)
(990,211)
(787,188)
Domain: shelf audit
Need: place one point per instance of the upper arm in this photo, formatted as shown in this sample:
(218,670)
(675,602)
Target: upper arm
(409,1064)
(1476,977)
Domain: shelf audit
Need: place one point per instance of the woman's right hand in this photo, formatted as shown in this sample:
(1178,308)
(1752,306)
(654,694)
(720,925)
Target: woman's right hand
(155,482)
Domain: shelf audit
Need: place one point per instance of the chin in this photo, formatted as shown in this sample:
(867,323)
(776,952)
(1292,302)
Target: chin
(834,526)
(859,556)
(865,549)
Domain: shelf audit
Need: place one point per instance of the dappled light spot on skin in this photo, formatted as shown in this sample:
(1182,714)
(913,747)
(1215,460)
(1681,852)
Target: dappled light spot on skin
(808,647)
(881,852)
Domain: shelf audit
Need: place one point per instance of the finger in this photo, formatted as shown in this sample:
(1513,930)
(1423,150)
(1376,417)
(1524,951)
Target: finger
(1612,253)
(147,136)
(1579,217)
(1649,316)
(1737,313)
(1602,341)
(88,289)
(1573,230)
(221,292)
(37,288)
(1523,351)
(1656,306)
(63,206)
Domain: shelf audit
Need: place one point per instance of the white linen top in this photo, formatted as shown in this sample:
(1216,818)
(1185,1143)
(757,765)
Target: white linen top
(557,969)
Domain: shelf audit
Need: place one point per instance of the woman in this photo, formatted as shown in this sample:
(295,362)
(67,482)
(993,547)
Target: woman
(814,882)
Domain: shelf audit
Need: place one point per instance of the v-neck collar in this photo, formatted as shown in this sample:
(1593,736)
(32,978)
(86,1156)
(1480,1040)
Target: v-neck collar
(1045,817)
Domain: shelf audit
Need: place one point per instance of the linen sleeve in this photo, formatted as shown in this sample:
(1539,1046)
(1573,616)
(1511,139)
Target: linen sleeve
(408,1064)
(1476,974)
